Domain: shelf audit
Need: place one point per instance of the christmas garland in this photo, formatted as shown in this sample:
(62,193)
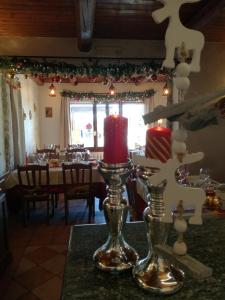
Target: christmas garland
(107,98)
(35,68)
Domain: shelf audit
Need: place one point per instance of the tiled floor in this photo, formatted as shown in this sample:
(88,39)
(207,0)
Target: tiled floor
(39,251)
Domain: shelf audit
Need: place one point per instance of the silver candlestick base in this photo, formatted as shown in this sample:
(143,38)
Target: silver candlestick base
(155,273)
(115,255)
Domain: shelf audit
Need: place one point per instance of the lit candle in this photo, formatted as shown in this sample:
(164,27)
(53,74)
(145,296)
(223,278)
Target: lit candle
(158,143)
(115,139)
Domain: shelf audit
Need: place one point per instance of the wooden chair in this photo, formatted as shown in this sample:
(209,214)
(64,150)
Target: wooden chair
(33,185)
(77,182)
(136,203)
(50,153)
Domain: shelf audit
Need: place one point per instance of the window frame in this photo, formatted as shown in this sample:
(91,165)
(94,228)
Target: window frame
(96,148)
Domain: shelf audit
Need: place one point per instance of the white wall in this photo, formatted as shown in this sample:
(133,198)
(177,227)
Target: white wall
(49,127)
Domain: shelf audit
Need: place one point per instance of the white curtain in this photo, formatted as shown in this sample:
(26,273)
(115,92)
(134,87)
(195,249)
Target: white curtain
(17,126)
(12,141)
(65,124)
(7,154)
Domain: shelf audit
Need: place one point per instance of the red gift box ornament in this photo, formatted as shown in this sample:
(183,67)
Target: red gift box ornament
(158,143)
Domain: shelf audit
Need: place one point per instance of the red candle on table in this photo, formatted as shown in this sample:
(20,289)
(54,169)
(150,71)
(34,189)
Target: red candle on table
(115,139)
(158,143)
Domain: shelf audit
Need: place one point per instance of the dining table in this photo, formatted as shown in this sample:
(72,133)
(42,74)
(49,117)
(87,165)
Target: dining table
(55,176)
(55,181)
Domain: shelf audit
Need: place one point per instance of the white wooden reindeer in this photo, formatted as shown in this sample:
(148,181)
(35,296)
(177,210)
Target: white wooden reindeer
(173,191)
(177,34)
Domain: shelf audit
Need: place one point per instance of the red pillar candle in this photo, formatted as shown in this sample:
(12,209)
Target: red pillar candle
(115,139)
(158,143)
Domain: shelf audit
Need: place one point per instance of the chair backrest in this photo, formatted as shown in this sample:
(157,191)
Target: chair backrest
(77,174)
(47,151)
(136,202)
(33,175)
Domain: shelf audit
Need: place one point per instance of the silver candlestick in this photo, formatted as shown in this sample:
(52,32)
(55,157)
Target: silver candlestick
(115,255)
(155,273)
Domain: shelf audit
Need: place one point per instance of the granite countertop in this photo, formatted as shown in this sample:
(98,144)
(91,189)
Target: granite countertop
(83,281)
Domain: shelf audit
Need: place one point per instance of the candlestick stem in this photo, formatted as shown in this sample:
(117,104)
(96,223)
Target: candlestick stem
(115,255)
(154,273)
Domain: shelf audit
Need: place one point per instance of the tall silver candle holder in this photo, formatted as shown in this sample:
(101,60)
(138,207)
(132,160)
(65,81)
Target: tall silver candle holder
(115,255)
(155,273)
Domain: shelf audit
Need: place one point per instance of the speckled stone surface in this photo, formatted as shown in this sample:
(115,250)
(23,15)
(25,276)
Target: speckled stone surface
(83,281)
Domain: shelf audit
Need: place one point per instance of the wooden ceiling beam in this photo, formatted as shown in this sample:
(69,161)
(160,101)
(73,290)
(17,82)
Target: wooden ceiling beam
(204,16)
(86,18)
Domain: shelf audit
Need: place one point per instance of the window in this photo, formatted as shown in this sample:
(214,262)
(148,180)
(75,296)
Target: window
(87,123)
(101,114)
(81,116)
(114,109)
(136,128)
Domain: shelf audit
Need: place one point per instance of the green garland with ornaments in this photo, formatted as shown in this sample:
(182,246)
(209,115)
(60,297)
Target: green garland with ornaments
(107,98)
(43,68)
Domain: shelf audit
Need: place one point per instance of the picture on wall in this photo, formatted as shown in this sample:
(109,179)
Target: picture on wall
(48,112)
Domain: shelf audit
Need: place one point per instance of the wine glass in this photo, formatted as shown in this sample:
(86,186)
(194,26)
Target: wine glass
(78,156)
(204,176)
(40,157)
(182,175)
